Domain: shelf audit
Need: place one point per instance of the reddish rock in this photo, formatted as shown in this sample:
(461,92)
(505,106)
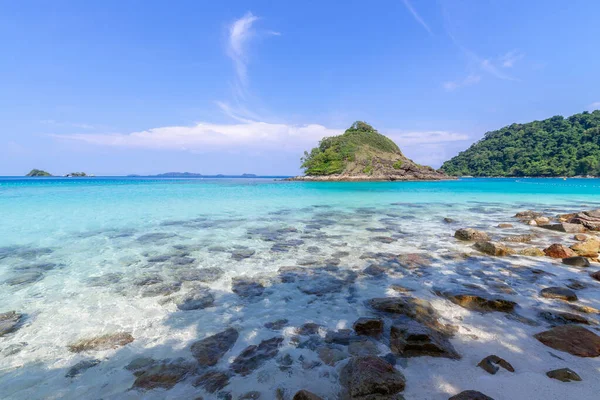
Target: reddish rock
(559,251)
(572,339)
(588,248)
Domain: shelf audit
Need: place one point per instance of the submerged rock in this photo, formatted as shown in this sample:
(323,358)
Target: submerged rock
(209,351)
(161,289)
(576,261)
(492,364)
(478,300)
(165,374)
(252,357)
(25,278)
(560,293)
(331,355)
(104,342)
(198,298)
(370,377)
(246,288)
(595,275)
(564,227)
(368,326)
(564,375)
(470,234)
(418,309)
(205,275)
(276,325)
(559,251)
(9,322)
(306,395)
(563,318)
(213,380)
(572,339)
(470,395)
(81,367)
(531,252)
(240,254)
(409,338)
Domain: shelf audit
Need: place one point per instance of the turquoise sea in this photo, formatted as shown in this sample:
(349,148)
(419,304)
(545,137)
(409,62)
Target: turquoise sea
(82,257)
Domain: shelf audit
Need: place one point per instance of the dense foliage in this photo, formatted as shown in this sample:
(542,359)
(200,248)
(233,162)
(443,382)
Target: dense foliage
(333,153)
(38,172)
(552,147)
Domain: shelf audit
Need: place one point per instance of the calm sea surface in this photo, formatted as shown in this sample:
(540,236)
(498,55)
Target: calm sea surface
(82,257)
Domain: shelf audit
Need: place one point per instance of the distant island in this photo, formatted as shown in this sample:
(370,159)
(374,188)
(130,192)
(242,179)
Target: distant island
(195,175)
(38,173)
(553,147)
(362,154)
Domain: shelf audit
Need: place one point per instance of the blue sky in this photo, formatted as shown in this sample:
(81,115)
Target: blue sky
(119,87)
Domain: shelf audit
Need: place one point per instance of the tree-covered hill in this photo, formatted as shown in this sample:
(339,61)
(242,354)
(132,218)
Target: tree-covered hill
(556,146)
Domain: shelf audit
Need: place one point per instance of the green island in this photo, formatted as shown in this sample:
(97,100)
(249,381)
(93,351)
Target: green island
(37,173)
(362,154)
(556,146)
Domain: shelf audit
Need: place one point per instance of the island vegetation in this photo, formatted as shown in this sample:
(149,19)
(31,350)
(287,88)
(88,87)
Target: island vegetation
(362,153)
(37,173)
(556,146)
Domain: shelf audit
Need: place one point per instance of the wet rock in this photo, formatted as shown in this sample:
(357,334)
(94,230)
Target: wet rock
(331,355)
(564,227)
(384,239)
(478,300)
(182,260)
(564,375)
(559,251)
(209,351)
(313,250)
(252,357)
(374,270)
(38,266)
(584,309)
(595,275)
(81,367)
(369,377)
(493,249)
(449,220)
(342,336)
(276,325)
(528,214)
(25,278)
(307,329)
(368,326)
(563,318)
(104,342)
(161,289)
(580,237)
(139,365)
(306,395)
(418,309)
(159,259)
(246,288)
(572,339)
(470,234)
(212,381)
(519,318)
(146,280)
(240,254)
(409,338)
(492,364)
(198,298)
(9,322)
(363,348)
(531,252)
(205,275)
(320,284)
(155,237)
(470,395)
(590,247)
(518,238)
(576,261)
(589,219)
(505,226)
(559,293)
(165,374)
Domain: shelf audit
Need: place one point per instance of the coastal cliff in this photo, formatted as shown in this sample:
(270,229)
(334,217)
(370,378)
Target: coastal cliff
(362,154)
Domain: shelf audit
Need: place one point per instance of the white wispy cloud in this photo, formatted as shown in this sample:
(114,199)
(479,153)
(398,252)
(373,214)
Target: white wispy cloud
(416,16)
(208,136)
(594,106)
(471,79)
(403,138)
(67,124)
(240,32)
(509,59)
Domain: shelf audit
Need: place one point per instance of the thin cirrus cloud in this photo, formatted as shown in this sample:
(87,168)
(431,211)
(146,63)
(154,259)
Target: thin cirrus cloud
(416,16)
(510,59)
(471,79)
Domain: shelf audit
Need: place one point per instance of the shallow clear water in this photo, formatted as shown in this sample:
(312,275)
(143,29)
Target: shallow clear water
(89,242)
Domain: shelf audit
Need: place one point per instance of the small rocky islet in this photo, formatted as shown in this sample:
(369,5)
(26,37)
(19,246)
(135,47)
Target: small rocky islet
(373,356)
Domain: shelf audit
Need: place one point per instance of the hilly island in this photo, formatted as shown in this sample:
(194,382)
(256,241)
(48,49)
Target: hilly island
(556,146)
(362,154)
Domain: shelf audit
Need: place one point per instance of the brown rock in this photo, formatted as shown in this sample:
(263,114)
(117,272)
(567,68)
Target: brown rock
(572,339)
(412,307)
(470,395)
(9,321)
(470,234)
(542,220)
(368,326)
(164,375)
(559,251)
(559,293)
(528,214)
(564,375)
(493,249)
(564,227)
(306,395)
(576,261)
(532,252)
(409,338)
(518,238)
(252,357)
(209,350)
(104,342)
(589,219)
(504,226)
(584,309)
(580,237)
(563,318)
(493,363)
(212,381)
(364,378)
(588,248)
(478,301)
